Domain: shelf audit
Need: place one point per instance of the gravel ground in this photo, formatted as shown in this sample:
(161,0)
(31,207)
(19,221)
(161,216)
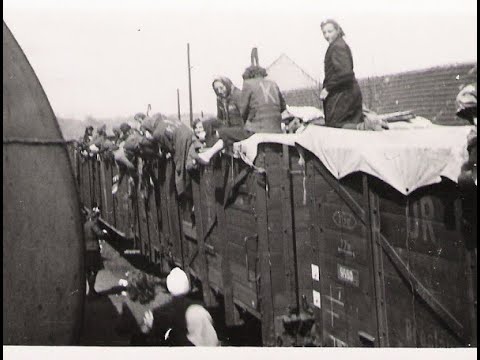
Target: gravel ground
(103,312)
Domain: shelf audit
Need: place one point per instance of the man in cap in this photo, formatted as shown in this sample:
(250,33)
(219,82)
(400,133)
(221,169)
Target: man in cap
(180,322)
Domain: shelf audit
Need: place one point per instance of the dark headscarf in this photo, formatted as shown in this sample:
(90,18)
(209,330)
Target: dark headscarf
(226,82)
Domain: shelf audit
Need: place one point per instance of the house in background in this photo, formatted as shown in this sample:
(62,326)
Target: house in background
(428,92)
(298,87)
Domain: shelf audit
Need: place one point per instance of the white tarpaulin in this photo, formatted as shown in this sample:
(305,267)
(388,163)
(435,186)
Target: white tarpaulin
(406,160)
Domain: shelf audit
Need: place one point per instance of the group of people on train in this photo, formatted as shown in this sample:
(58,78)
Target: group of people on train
(256,108)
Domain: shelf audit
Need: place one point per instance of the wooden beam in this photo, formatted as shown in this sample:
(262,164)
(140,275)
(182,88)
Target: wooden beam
(266,300)
(208,297)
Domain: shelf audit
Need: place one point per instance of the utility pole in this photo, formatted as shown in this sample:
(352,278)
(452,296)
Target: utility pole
(178,105)
(190,85)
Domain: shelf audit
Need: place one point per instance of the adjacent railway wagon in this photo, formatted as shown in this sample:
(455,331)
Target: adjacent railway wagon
(316,260)
(43,246)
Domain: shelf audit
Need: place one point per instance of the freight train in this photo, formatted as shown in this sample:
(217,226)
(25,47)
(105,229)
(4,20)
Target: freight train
(43,246)
(317,260)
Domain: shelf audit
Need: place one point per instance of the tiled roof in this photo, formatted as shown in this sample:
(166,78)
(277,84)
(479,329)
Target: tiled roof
(429,93)
(303,97)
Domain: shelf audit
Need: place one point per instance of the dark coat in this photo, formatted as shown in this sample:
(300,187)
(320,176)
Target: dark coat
(262,105)
(228,109)
(92,232)
(175,137)
(343,104)
(172,316)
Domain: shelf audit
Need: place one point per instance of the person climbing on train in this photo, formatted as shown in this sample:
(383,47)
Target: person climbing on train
(175,138)
(93,259)
(205,135)
(97,143)
(117,133)
(228,112)
(84,141)
(261,105)
(125,165)
(125,131)
(181,321)
(88,135)
(139,117)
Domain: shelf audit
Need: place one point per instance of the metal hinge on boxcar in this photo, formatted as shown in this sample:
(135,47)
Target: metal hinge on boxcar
(298,327)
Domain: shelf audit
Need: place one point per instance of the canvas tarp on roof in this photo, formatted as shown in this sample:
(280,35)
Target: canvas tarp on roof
(406,160)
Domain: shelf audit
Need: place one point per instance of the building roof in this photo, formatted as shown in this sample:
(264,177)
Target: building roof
(289,76)
(428,92)
(303,97)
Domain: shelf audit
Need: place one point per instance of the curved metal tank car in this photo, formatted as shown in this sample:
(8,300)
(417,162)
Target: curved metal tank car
(43,248)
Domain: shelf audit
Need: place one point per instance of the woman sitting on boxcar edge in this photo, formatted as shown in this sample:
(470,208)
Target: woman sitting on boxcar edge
(229,125)
(181,321)
(261,106)
(341,94)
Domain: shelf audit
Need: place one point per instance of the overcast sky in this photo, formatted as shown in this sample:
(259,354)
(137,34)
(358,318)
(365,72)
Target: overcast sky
(110,58)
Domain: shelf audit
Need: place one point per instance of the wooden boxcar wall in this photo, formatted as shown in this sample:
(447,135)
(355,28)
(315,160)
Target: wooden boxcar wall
(317,260)
(393,269)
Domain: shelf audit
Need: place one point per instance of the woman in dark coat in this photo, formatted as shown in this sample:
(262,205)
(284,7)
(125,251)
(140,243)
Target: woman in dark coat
(180,321)
(228,98)
(341,95)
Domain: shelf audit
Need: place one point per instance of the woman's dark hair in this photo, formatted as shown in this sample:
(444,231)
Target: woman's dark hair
(335,24)
(141,287)
(254,71)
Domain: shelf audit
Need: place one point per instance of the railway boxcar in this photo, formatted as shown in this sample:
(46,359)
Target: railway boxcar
(43,295)
(320,261)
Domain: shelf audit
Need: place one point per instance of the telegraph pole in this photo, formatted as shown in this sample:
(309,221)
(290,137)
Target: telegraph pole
(178,105)
(190,85)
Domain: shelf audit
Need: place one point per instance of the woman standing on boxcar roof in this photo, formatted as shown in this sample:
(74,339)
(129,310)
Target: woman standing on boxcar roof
(341,95)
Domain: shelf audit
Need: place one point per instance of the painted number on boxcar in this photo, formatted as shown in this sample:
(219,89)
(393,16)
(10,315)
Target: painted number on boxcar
(347,275)
(344,219)
(422,215)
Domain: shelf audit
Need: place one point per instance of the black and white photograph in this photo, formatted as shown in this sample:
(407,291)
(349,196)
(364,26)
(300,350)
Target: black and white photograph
(240,174)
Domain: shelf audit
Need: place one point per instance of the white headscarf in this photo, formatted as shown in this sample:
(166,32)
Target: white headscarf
(177,282)
(199,326)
